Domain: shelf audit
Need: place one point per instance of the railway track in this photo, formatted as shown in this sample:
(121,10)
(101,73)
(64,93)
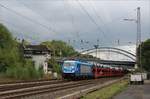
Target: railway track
(25,81)
(19,85)
(17,91)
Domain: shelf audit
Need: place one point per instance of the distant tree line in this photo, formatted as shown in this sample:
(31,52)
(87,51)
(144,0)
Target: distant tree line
(145,55)
(60,48)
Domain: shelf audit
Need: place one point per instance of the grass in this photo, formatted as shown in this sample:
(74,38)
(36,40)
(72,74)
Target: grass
(107,92)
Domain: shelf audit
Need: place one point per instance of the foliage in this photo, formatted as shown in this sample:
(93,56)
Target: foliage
(145,55)
(23,72)
(84,56)
(8,49)
(60,48)
(12,62)
(6,40)
(52,63)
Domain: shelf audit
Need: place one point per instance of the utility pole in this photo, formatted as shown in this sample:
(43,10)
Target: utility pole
(138,45)
(138,27)
(138,36)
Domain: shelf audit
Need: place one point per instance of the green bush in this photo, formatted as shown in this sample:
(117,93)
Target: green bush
(52,63)
(23,70)
(145,52)
(12,62)
(24,73)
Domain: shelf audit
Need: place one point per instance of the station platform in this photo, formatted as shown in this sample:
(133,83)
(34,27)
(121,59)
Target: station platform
(135,92)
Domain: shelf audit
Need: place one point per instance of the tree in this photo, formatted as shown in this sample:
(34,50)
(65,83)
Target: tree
(52,63)
(145,55)
(12,63)
(60,48)
(8,49)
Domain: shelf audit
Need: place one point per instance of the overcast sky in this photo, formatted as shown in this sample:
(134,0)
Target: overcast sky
(75,20)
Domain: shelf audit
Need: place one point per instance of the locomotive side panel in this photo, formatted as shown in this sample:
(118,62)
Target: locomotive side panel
(85,69)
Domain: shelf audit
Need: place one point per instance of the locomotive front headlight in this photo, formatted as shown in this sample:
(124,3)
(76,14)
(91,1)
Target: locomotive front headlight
(72,70)
(72,67)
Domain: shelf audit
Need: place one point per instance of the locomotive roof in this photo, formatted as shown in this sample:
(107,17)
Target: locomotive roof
(83,62)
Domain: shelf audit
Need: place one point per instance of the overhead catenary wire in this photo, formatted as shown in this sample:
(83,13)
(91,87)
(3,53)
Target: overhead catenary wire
(24,36)
(92,20)
(101,20)
(98,16)
(28,7)
(70,15)
(68,7)
(25,5)
(47,26)
(27,18)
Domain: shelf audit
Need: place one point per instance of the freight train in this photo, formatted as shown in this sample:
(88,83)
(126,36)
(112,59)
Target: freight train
(74,69)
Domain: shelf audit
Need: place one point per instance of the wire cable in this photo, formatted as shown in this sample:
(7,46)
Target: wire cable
(98,16)
(27,18)
(92,20)
(20,29)
(73,24)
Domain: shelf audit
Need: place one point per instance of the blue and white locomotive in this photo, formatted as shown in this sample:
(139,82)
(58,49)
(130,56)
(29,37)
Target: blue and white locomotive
(76,69)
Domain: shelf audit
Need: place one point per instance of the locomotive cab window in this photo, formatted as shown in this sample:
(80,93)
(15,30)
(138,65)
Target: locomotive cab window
(69,64)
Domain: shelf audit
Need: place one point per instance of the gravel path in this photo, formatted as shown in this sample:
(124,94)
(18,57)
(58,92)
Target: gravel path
(136,92)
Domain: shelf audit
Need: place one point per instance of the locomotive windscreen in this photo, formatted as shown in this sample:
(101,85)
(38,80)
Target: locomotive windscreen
(68,64)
